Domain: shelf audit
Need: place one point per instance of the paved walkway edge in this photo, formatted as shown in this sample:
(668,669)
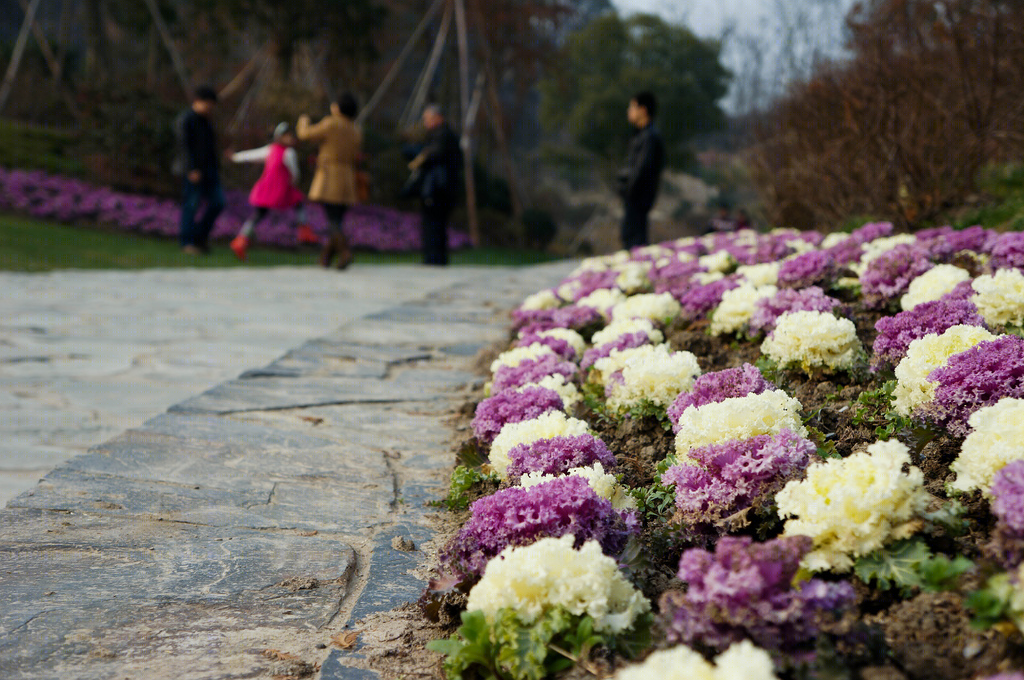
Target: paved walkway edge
(232,536)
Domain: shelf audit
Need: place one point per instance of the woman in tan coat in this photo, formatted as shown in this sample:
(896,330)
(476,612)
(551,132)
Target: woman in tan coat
(334,183)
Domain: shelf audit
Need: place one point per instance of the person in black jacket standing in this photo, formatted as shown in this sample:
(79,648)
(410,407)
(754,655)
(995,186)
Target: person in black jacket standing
(197,163)
(439,165)
(639,179)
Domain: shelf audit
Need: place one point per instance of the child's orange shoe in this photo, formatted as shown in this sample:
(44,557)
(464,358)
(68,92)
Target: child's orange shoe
(240,246)
(305,234)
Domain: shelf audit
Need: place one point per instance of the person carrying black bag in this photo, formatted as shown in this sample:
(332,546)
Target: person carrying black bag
(436,171)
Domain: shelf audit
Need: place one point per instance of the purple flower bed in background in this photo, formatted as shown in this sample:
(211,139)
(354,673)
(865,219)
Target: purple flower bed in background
(719,480)
(745,590)
(718,386)
(749,247)
(768,310)
(512,406)
(64,199)
(977,377)
(895,333)
(558,455)
(518,516)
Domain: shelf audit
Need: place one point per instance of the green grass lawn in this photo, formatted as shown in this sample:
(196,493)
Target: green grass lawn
(28,245)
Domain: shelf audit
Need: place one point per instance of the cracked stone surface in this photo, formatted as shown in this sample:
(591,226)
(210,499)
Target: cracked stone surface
(230,531)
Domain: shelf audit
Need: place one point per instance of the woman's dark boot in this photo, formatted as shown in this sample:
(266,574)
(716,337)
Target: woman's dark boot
(344,252)
(330,248)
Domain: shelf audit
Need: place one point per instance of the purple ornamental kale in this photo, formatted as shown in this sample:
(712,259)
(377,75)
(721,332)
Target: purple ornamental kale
(745,590)
(674,276)
(974,378)
(748,247)
(697,301)
(533,371)
(1006,545)
(889,275)
(512,406)
(588,282)
(624,341)
(720,480)
(1007,251)
(1008,496)
(584,320)
(558,455)
(768,310)
(562,347)
(718,386)
(895,333)
(808,269)
(518,516)
(945,242)
(871,231)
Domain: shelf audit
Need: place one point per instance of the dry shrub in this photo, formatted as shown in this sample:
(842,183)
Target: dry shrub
(932,92)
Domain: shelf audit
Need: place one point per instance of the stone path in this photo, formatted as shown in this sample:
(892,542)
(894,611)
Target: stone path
(234,534)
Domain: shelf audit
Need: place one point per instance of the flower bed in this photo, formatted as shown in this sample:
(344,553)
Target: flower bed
(53,197)
(803,453)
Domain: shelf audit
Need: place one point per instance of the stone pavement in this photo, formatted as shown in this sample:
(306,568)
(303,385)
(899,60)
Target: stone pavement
(234,534)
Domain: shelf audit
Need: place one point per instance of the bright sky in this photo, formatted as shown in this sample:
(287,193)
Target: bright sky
(706,18)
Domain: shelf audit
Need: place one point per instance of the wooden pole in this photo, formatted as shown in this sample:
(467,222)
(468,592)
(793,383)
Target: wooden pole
(497,119)
(51,62)
(165,35)
(247,70)
(419,98)
(399,61)
(16,55)
(466,141)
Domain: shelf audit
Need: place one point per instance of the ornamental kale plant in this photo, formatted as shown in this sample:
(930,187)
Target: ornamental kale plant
(895,333)
(768,310)
(970,380)
(518,517)
(557,455)
(1007,250)
(717,481)
(1007,543)
(512,406)
(585,320)
(745,590)
(533,371)
(623,342)
(887,276)
(817,267)
(562,347)
(699,300)
(944,242)
(719,386)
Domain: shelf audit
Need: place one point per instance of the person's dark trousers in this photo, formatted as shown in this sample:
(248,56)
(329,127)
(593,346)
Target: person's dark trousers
(197,232)
(634,226)
(435,234)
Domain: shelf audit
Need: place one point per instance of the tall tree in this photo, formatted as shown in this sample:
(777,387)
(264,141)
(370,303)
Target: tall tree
(604,64)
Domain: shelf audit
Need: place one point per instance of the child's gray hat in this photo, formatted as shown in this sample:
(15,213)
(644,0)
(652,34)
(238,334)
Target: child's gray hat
(282,129)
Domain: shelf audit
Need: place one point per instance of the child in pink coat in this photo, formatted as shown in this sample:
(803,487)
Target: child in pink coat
(276,189)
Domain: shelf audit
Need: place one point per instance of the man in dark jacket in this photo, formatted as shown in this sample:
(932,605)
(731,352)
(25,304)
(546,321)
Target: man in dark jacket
(639,179)
(439,163)
(197,163)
